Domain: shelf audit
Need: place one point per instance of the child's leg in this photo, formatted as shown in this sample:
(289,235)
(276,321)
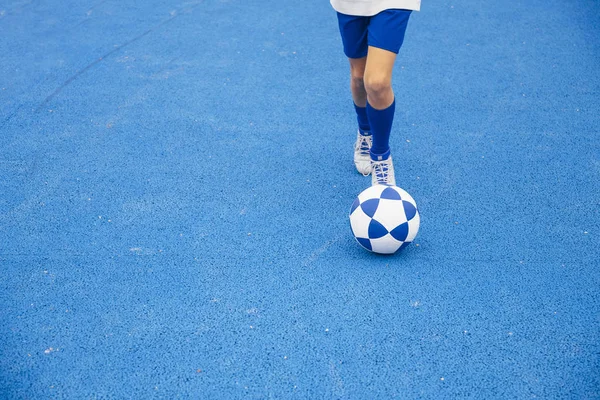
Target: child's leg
(359,93)
(380,110)
(380,97)
(362,146)
(385,38)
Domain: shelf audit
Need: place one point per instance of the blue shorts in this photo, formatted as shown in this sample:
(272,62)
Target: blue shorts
(384,30)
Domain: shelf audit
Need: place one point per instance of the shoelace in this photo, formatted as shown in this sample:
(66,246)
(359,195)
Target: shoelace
(365,144)
(381,170)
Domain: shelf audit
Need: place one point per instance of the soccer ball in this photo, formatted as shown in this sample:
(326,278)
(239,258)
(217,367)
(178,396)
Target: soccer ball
(384,219)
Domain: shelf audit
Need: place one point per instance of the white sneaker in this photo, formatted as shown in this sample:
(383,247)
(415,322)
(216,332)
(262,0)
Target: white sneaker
(383,172)
(362,159)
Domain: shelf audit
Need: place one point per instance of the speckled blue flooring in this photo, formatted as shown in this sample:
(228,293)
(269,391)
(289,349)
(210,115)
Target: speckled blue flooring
(175,179)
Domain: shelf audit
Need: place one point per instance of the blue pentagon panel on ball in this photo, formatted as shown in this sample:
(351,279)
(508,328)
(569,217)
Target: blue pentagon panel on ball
(354,205)
(400,232)
(366,243)
(377,230)
(384,219)
(391,194)
(409,209)
(370,207)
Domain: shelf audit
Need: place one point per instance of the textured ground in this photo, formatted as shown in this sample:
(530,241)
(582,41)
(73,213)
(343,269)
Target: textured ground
(175,179)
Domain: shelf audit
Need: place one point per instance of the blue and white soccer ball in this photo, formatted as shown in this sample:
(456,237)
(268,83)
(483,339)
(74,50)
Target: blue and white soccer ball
(384,219)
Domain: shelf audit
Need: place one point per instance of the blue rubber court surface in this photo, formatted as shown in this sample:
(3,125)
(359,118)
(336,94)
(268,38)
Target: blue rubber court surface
(175,182)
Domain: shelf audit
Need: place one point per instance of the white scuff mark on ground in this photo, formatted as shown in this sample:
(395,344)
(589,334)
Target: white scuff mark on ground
(336,379)
(318,252)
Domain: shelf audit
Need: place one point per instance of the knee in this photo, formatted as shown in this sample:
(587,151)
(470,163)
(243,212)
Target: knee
(377,85)
(357,79)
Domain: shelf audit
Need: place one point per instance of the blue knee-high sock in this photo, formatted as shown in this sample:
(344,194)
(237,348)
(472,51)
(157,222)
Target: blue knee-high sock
(381,126)
(363,120)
